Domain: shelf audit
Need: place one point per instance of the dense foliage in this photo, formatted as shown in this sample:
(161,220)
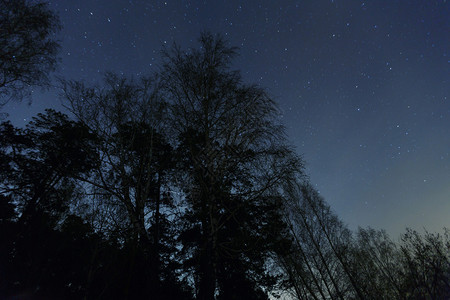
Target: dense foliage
(28,47)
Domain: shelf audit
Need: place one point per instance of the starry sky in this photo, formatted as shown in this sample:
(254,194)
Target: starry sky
(363,86)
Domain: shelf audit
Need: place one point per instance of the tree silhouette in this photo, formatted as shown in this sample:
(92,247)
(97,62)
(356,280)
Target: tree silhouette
(328,261)
(28,47)
(132,180)
(318,264)
(37,180)
(40,160)
(235,160)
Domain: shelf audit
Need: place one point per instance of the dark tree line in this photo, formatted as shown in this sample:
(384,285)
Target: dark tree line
(179,185)
(328,261)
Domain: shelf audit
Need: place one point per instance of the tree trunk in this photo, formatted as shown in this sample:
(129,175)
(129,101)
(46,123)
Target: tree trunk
(207,286)
(207,281)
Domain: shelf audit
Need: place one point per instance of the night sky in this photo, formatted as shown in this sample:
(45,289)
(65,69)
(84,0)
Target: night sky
(363,86)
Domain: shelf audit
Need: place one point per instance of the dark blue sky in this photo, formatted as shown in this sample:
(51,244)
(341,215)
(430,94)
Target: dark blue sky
(363,86)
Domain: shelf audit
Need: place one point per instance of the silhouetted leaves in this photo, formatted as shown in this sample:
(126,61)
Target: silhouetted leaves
(27,47)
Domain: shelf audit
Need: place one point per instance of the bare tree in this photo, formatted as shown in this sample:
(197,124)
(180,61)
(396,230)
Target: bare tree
(320,264)
(235,159)
(425,265)
(329,262)
(127,118)
(130,184)
(376,259)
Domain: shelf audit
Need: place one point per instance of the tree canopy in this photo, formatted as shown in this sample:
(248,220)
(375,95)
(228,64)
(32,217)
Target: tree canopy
(28,47)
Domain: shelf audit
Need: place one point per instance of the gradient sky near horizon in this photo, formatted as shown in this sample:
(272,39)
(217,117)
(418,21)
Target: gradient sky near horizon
(363,86)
